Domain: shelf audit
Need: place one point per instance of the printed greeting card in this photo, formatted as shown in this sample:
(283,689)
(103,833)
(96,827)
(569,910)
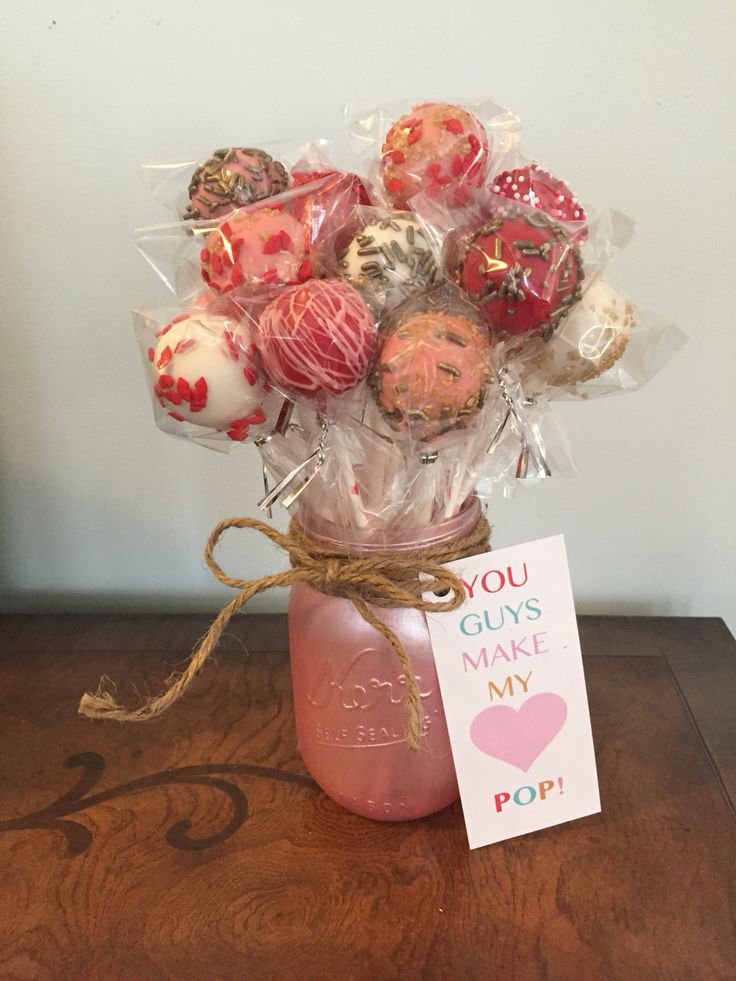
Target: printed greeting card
(513,688)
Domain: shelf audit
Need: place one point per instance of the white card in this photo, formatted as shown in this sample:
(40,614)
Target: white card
(513,688)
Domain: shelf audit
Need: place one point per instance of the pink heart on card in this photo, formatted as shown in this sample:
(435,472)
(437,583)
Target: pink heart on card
(518,736)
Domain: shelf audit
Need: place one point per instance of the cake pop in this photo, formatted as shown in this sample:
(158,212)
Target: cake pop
(434,145)
(522,269)
(256,247)
(232,178)
(589,342)
(389,256)
(318,339)
(205,373)
(432,373)
(535,186)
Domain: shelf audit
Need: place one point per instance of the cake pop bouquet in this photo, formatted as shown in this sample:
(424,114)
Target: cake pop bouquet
(391,336)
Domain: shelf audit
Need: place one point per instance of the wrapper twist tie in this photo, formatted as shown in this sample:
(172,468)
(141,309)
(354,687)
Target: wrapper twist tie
(384,579)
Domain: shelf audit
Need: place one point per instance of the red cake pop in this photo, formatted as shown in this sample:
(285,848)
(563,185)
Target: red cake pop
(232,178)
(317,339)
(433,146)
(301,177)
(258,247)
(523,271)
(536,186)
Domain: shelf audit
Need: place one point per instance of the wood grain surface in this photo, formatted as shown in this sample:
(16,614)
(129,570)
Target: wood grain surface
(197,846)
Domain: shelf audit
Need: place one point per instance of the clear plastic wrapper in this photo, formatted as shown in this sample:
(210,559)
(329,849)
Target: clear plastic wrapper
(314,164)
(606,345)
(392,344)
(522,269)
(315,341)
(407,447)
(383,253)
(426,146)
(269,243)
(214,183)
(203,374)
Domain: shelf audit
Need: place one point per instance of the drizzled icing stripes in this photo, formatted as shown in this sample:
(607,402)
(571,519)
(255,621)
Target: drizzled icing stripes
(316,339)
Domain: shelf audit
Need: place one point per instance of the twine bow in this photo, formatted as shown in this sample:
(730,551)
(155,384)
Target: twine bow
(384,579)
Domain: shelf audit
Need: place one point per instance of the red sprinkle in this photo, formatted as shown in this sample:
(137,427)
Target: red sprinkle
(305,271)
(183,389)
(205,276)
(232,350)
(199,395)
(356,489)
(165,357)
(454,126)
(204,255)
(474,142)
(151,354)
(398,157)
(165,381)
(433,170)
(256,418)
(227,259)
(236,276)
(457,165)
(216,263)
(178,416)
(238,435)
(270,276)
(395,185)
(167,328)
(172,396)
(286,244)
(226,230)
(250,376)
(273,245)
(184,343)
(414,136)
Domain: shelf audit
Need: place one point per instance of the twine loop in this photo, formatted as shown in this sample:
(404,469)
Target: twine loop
(383,579)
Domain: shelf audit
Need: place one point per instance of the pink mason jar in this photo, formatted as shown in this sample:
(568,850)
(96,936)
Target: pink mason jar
(349,691)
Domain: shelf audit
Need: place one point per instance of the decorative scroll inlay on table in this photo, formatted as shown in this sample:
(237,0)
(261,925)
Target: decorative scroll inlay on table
(55,817)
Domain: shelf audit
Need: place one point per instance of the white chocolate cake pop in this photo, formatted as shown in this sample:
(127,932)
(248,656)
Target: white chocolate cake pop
(588,342)
(205,374)
(389,256)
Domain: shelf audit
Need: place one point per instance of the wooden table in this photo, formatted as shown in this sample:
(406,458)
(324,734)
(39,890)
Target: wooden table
(197,847)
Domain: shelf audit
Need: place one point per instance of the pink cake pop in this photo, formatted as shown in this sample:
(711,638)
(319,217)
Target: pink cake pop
(434,145)
(232,178)
(432,372)
(534,185)
(265,246)
(317,339)
(205,373)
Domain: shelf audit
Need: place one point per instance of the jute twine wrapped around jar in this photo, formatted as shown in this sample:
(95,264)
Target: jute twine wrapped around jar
(383,579)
